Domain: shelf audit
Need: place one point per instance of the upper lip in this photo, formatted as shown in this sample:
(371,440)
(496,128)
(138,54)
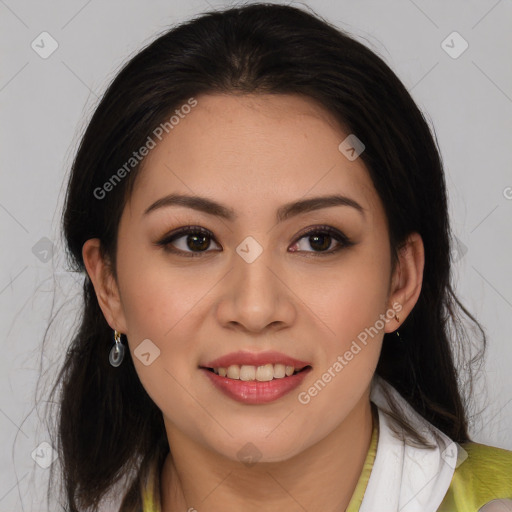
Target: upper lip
(255,359)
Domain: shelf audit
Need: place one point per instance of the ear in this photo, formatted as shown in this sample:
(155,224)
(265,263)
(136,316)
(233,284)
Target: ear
(105,285)
(406,280)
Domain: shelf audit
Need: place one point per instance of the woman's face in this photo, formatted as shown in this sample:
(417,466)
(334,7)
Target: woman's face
(256,281)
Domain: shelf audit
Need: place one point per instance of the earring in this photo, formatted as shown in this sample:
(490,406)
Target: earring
(116,355)
(397,333)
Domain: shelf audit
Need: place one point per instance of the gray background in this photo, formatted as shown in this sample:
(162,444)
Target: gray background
(45,105)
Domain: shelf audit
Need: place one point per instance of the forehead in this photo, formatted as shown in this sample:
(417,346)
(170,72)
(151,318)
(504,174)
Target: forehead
(248,149)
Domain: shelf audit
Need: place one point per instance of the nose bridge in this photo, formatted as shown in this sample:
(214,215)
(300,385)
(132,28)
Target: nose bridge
(256,297)
(255,287)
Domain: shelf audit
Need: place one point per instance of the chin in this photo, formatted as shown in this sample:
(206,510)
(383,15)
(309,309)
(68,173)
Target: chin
(258,448)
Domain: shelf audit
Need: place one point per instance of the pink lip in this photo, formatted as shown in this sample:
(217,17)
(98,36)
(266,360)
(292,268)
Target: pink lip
(255,392)
(254,359)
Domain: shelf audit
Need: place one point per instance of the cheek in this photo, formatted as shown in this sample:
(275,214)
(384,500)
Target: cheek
(156,296)
(349,297)
(352,309)
(159,307)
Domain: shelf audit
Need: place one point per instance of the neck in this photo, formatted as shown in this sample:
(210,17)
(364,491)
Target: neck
(321,478)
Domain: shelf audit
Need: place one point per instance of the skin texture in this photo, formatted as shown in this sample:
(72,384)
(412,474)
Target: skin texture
(254,153)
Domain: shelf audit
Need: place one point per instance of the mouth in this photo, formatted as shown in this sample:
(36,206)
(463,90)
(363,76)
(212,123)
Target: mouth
(255,385)
(261,373)
(255,377)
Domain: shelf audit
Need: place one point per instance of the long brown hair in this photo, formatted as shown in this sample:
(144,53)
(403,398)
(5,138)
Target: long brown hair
(108,430)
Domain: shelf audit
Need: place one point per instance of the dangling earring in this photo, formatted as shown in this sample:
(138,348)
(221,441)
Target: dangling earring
(397,333)
(116,355)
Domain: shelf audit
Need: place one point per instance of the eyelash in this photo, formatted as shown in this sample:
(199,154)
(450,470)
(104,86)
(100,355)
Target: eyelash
(341,238)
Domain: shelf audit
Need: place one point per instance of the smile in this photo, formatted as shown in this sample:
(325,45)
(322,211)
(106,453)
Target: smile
(262,373)
(253,385)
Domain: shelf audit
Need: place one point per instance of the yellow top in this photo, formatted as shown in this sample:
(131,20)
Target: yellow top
(485,475)
(357,496)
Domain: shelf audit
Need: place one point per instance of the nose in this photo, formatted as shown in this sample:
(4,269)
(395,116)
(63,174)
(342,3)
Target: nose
(255,296)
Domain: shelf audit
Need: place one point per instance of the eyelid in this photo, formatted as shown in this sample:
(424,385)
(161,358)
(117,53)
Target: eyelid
(338,235)
(183,231)
(343,240)
(323,228)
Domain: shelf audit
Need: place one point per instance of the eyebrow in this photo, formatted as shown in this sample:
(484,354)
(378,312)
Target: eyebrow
(203,204)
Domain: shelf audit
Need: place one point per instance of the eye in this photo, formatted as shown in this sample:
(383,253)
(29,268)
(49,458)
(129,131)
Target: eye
(195,241)
(320,238)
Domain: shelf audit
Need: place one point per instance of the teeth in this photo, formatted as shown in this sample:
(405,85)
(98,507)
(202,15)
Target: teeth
(233,372)
(279,371)
(263,373)
(247,372)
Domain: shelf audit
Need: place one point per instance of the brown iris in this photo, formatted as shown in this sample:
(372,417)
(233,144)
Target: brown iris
(198,242)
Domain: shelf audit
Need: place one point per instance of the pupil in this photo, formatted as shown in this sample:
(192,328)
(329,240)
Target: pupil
(324,238)
(195,238)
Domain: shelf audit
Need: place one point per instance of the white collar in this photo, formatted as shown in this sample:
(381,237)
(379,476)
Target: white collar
(406,478)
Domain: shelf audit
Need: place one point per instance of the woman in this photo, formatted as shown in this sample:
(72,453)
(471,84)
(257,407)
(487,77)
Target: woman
(260,212)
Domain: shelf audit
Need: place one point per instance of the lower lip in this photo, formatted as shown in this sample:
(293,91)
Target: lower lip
(256,392)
